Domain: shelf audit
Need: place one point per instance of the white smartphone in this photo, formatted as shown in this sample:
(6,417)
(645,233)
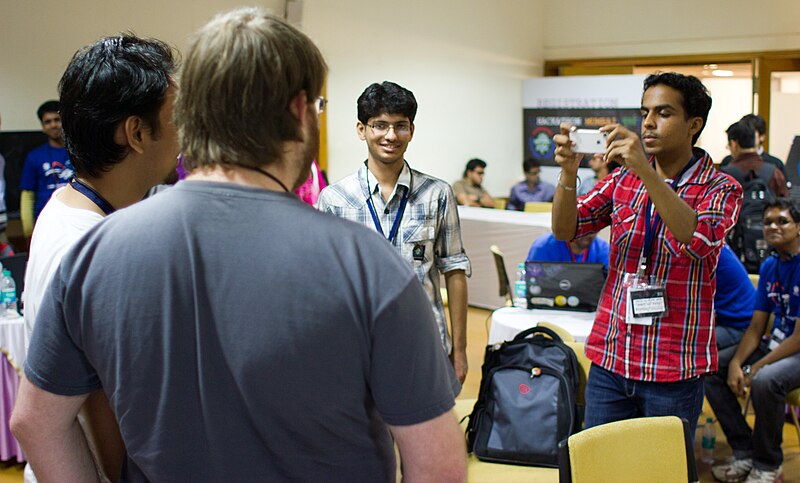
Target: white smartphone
(588,141)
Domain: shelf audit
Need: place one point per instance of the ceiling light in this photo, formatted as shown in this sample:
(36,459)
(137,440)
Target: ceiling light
(722,73)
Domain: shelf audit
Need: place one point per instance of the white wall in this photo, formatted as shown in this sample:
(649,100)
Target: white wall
(731,99)
(38,37)
(464,60)
(619,28)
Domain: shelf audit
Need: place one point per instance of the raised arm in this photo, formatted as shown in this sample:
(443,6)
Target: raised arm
(565,212)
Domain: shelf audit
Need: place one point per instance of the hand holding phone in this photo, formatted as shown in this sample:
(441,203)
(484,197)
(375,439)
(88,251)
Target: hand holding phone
(588,141)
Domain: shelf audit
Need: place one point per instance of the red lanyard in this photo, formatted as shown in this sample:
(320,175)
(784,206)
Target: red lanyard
(584,255)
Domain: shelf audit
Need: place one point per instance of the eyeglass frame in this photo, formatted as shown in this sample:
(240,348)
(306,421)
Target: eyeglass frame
(321,103)
(406,128)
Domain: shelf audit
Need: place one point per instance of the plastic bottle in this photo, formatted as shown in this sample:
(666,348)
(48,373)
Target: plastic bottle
(519,288)
(8,294)
(709,441)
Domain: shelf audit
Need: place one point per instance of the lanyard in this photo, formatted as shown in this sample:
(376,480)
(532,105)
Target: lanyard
(650,229)
(400,209)
(584,255)
(779,283)
(93,195)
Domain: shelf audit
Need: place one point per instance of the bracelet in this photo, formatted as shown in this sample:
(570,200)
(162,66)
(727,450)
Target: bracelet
(567,187)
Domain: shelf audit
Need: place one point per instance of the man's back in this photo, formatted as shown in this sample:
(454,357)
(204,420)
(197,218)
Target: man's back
(246,334)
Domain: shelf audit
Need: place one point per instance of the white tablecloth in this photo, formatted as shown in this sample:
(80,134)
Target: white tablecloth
(12,340)
(510,321)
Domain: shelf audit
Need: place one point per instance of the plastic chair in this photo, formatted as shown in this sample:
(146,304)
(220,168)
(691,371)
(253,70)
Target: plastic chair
(538,207)
(793,400)
(502,276)
(633,450)
(585,364)
(500,203)
(562,332)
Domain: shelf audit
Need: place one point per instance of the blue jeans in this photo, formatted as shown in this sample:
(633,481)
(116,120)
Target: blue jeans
(611,397)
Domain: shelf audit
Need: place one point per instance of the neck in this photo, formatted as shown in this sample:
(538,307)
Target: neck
(56,144)
(789,251)
(575,248)
(386,174)
(243,176)
(531,186)
(669,166)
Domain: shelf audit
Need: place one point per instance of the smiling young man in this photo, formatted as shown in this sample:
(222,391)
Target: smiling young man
(46,168)
(769,368)
(669,211)
(416,213)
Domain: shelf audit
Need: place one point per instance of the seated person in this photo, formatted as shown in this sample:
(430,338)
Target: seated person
(769,368)
(468,190)
(601,170)
(588,249)
(733,302)
(532,189)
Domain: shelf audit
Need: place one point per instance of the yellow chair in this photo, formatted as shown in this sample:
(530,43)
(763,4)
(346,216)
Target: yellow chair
(584,364)
(562,332)
(538,207)
(633,450)
(500,203)
(793,400)
(753,279)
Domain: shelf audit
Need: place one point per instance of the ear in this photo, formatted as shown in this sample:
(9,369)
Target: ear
(298,106)
(695,125)
(131,132)
(411,134)
(361,130)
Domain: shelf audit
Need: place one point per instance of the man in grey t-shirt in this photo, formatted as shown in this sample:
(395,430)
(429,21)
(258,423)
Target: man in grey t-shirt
(241,335)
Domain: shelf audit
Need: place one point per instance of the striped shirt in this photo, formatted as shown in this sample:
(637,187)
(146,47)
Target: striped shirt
(681,344)
(430,225)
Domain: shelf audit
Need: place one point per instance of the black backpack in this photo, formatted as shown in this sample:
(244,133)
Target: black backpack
(747,236)
(527,401)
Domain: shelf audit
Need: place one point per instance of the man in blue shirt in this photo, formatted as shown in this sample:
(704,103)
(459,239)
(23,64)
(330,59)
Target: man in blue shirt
(46,167)
(734,300)
(769,368)
(532,189)
(588,249)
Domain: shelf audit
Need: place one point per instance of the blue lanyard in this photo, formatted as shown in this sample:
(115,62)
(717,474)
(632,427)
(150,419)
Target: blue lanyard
(650,229)
(400,209)
(93,195)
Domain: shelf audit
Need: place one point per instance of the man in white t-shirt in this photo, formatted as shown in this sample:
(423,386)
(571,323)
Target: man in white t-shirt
(116,98)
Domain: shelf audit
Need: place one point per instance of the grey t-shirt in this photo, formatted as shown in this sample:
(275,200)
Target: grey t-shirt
(240,334)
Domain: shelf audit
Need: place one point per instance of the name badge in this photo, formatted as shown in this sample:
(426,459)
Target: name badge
(648,302)
(418,253)
(775,340)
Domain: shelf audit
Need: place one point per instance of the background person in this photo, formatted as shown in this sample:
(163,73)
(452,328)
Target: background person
(532,189)
(469,190)
(588,249)
(601,169)
(733,301)
(769,368)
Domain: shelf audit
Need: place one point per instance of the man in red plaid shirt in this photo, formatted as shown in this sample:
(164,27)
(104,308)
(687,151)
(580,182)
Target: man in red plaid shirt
(669,211)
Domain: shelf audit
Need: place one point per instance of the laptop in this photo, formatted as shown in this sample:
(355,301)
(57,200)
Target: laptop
(564,285)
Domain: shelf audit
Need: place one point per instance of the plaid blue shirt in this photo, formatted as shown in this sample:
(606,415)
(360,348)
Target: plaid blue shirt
(430,225)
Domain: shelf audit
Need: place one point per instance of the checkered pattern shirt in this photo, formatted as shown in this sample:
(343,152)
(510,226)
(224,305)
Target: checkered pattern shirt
(430,223)
(681,344)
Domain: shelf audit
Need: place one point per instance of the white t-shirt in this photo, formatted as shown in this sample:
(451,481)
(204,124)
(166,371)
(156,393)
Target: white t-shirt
(57,229)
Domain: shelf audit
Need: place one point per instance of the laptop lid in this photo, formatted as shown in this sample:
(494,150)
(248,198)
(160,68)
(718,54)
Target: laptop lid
(564,285)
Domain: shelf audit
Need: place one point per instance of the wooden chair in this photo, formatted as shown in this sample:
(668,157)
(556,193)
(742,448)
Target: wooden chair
(633,450)
(502,275)
(538,207)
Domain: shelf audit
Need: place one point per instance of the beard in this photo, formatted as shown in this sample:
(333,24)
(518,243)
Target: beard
(309,152)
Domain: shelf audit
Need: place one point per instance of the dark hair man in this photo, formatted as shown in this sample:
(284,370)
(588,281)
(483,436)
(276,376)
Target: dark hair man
(532,189)
(742,141)
(669,211)
(417,213)
(760,125)
(769,368)
(226,362)
(116,98)
(46,168)
(468,190)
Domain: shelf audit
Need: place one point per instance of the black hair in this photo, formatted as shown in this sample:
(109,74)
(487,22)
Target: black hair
(48,106)
(530,163)
(105,83)
(696,100)
(784,204)
(386,98)
(473,164)
(743,133)
(758,122)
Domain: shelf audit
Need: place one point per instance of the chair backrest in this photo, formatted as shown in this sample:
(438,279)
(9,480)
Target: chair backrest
(16,264)
(633,450)
(502,276)
(562,332)
(500,203)
(538,207)
(584,364)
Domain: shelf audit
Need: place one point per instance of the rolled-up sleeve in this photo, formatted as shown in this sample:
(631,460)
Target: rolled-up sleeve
(594,208)
(450,254)
(717,213)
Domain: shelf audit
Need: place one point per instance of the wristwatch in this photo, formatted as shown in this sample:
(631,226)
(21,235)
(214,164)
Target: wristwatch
(746,370)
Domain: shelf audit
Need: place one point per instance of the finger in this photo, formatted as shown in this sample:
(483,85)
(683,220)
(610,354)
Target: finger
(566,127)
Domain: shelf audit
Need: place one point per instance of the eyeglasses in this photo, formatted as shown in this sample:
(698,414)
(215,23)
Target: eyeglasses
(321,103)
(779,222)
(401,128)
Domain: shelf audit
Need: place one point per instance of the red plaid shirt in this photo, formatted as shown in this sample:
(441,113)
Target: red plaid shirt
(680,345)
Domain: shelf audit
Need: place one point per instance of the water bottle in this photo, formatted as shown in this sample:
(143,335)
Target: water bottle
(8,295)
(709,441)
(519,288)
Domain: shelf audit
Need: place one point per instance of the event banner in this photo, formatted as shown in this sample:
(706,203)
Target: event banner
(541,124)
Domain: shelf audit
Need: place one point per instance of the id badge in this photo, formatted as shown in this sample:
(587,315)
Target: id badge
(775,340)
(643,300)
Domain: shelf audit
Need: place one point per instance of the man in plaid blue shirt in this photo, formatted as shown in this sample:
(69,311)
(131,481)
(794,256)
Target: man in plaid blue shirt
(415,212)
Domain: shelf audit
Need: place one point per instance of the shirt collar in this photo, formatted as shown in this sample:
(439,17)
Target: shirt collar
(403,180)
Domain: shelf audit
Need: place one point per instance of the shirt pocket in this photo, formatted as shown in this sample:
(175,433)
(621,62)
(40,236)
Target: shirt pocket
(623,221)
